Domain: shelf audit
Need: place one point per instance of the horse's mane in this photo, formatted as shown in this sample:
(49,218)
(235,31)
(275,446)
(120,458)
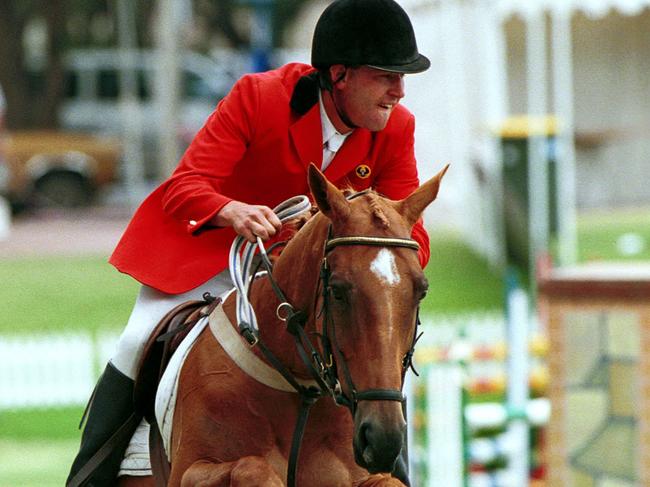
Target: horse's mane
(374,203)
(290,229)
(378,215)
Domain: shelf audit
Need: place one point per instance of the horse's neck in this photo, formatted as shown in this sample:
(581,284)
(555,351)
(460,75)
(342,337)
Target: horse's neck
(296,272)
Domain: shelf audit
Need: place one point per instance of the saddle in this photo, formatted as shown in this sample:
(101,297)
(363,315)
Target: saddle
(161,345)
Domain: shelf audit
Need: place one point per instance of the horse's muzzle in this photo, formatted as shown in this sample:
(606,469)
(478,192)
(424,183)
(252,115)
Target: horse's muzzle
(377,445)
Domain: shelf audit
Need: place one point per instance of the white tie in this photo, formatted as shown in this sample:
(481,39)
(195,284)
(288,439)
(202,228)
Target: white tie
(335,142)
(330,148)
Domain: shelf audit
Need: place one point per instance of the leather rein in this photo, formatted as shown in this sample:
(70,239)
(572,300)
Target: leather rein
(323,367)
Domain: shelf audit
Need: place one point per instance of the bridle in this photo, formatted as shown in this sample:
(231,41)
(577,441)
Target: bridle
(332,351)
(322,367)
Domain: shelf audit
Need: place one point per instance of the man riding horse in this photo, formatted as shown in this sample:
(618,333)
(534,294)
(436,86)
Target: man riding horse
(342,113)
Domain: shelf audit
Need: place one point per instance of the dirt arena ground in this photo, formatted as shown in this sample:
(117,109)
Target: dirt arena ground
(65,232)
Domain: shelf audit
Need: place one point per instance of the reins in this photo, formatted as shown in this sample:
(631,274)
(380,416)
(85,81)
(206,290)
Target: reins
(321,367)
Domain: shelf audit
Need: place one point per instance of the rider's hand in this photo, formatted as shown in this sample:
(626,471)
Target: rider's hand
(249,221)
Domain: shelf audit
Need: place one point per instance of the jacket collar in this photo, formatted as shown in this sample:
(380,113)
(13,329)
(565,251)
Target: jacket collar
(305,93)
(307,136)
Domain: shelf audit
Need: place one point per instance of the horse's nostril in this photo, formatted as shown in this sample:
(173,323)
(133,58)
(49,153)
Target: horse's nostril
(364,431)
(377,446)
(366,443)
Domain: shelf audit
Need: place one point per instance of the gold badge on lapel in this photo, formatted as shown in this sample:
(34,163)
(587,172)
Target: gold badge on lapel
(362,171)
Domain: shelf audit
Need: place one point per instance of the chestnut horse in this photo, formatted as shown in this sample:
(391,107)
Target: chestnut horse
(339,314)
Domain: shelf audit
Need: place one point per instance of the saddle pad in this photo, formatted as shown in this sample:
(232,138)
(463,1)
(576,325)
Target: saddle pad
(166,396)
(136,458)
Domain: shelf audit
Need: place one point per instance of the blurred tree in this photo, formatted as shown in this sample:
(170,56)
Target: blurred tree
(219,17)
(14,17)
(283,16)
(33,99)
(33,79)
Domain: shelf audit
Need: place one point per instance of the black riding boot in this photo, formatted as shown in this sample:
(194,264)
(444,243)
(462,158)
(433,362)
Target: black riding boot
(110,423)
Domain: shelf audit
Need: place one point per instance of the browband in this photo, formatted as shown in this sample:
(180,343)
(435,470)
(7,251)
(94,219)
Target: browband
(377,241)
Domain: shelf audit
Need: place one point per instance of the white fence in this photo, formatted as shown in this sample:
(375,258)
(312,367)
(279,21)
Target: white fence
(51,369)
(61,369)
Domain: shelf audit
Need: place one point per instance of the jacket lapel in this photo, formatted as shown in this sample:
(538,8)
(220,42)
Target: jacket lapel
(352,153)
(307,137)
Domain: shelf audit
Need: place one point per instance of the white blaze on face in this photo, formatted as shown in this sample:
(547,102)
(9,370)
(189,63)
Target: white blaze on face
(384,267)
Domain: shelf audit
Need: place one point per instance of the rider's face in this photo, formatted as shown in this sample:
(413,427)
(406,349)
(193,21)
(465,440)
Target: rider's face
(366,96)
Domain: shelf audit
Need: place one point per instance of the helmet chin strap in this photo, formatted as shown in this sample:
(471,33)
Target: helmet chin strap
(339,111)
(342,115)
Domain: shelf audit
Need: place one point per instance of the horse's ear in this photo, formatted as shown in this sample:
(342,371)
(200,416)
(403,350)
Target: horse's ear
(411,208)
(328,198)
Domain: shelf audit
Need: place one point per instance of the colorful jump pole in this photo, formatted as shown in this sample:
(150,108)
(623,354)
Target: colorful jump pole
(517,393)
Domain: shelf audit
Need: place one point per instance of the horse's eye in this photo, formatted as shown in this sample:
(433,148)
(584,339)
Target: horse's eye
(339,291)
(421,289)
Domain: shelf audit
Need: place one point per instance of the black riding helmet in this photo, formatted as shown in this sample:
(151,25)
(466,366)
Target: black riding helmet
(375,33)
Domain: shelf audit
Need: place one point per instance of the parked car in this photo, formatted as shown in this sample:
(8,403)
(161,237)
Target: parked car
(48,168)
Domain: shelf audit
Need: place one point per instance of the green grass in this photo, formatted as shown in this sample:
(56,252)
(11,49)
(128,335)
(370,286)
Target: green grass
(61,423)
(599,233)
(35,462)
(63,294)
(71,294)
(45,295)
(459,279)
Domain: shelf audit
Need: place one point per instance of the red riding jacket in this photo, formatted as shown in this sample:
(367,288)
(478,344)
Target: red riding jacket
(256,147)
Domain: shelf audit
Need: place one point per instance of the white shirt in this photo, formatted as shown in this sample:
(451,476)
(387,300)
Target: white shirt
(332,140)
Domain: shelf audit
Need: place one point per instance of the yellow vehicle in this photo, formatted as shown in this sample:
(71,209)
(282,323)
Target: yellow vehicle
(49,168)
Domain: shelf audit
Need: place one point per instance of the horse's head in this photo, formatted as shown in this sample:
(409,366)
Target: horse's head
(373,284)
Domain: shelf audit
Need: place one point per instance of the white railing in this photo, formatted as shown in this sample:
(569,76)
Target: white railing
(51,369)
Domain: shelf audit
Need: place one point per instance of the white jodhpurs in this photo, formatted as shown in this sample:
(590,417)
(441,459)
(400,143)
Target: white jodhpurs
(150,307)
